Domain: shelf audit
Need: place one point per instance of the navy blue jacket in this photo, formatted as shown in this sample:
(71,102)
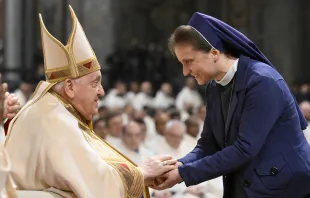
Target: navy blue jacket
(262,143)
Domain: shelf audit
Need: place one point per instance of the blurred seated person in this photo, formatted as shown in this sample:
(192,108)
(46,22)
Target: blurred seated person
(133,90)
(143,130)
(117,98)
(161,118)
(174,113)
(188,98)
(144,97)
(128,113)
(149,123)
(99,127)
(192,131)
(173,135)
(200,115)
(131,145)
(103,111)
(164,98)
(172,144)
(114,125)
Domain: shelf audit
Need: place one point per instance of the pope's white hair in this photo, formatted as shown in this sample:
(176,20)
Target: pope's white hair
(57,88)
(174,122)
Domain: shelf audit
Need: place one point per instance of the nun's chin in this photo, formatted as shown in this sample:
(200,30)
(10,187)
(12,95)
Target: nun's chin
(201,81)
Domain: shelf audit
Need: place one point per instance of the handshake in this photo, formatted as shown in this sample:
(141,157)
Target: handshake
(160,172)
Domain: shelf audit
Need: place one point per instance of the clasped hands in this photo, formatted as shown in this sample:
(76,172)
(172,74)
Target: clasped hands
(161,172)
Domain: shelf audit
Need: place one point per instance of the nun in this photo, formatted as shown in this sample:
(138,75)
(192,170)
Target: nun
(253,130)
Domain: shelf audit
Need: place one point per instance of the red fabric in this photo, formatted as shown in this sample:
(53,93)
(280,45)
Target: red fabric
(6,126)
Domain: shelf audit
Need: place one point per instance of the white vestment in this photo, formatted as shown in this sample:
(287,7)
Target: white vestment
(52,149)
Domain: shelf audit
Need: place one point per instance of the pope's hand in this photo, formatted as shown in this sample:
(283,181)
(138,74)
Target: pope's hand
(11,105)
(156,166)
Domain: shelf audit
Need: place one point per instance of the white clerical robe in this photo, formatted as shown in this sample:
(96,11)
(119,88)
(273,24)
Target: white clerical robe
(52,149)
(162,101)
(138,157)
(113,141)
(114,101)
(141,100)
(189,143)
(152,145)
(150,127)
(188,96)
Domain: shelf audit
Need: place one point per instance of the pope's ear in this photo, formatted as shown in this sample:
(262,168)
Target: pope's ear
(69,88)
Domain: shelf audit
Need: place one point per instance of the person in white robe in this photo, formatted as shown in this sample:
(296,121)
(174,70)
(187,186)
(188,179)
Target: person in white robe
(150,126)
(133,90)
(192,131)
(188,99)
(114,126)
(200,116)
(161,118)
(117,98)
(173,135)
(51,142)
(163,98)
(131,145)
(144,97)
(99,126)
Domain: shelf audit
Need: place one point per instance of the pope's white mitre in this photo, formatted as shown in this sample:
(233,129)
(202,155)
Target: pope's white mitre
(71,61)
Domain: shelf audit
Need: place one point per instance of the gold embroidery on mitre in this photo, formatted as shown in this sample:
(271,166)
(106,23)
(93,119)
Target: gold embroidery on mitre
(71,68)
(132,178)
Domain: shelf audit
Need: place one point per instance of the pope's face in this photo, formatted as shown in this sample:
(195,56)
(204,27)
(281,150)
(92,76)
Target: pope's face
(199,64)
(86,93)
